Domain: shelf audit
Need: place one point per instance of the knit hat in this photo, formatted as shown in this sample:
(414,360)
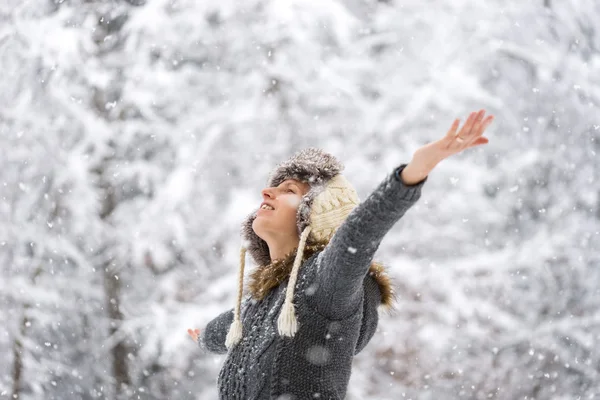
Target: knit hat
(322,210)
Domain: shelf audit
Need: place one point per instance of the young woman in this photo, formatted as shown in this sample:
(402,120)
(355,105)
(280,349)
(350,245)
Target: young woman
(313,299)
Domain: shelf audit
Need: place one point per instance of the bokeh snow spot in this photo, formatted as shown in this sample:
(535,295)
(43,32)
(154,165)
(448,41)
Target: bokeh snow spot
(311,289)
(317,355)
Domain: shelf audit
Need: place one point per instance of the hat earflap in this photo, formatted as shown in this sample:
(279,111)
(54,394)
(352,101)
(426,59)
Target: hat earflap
(331,207)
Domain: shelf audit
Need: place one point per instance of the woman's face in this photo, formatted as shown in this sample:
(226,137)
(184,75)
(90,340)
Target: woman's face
(277,221)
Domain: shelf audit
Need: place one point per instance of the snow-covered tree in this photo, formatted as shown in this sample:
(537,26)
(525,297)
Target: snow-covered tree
(136,135)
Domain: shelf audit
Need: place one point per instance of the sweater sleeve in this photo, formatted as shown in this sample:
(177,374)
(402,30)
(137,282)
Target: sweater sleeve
(212,338)
(370,318)
(345,261)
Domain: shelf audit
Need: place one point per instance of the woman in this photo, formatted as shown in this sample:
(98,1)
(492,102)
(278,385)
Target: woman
(314,296)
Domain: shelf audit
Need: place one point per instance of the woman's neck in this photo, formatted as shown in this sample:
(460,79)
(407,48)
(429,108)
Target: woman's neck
(278,249)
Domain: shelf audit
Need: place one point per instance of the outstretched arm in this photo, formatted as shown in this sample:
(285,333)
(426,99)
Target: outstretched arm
(345,261)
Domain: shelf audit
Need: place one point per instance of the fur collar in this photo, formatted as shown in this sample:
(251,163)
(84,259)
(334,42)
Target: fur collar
(265,278)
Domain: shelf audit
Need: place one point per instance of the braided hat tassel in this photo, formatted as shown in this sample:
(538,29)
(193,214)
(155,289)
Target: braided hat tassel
(235,330)
(287,323)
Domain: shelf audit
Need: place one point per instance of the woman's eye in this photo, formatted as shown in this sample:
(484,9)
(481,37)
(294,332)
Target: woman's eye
(290,191)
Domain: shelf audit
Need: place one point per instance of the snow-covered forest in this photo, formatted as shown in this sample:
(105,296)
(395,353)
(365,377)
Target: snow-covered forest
(136,135)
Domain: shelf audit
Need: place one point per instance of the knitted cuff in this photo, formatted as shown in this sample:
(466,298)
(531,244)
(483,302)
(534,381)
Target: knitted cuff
(410,192)
(201,341)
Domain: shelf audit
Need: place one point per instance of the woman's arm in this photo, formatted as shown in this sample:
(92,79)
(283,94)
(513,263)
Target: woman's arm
(212,338)
(343,264)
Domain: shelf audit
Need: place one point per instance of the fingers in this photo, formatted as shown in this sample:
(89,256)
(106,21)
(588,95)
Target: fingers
(481,125)
(468,130)
(194,333)
(474,127)
(479,141)
(487,122)
(463,133)
(452,134)
(452,131)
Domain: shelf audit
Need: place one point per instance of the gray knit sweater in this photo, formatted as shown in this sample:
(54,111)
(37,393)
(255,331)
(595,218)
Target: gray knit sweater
(336,306)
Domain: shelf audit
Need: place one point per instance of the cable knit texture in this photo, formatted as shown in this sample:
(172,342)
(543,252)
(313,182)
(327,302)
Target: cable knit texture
(336,302)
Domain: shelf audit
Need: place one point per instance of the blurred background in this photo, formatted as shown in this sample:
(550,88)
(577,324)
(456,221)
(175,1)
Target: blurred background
(136,135)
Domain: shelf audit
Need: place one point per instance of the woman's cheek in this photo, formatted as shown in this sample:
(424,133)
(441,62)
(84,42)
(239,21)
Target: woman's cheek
(293,201)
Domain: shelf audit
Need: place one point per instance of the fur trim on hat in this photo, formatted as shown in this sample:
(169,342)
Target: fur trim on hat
(256,247)
(310,165)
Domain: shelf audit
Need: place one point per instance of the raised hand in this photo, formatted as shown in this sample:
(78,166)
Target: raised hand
(469,136)
(194,334)
(453,142)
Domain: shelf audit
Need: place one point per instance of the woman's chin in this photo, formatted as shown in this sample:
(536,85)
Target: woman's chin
(257,227)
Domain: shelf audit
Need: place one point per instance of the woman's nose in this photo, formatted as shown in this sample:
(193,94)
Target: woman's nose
(267,193)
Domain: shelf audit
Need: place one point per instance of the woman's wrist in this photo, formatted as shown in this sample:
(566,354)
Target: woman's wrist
(414,173)
(423,162)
